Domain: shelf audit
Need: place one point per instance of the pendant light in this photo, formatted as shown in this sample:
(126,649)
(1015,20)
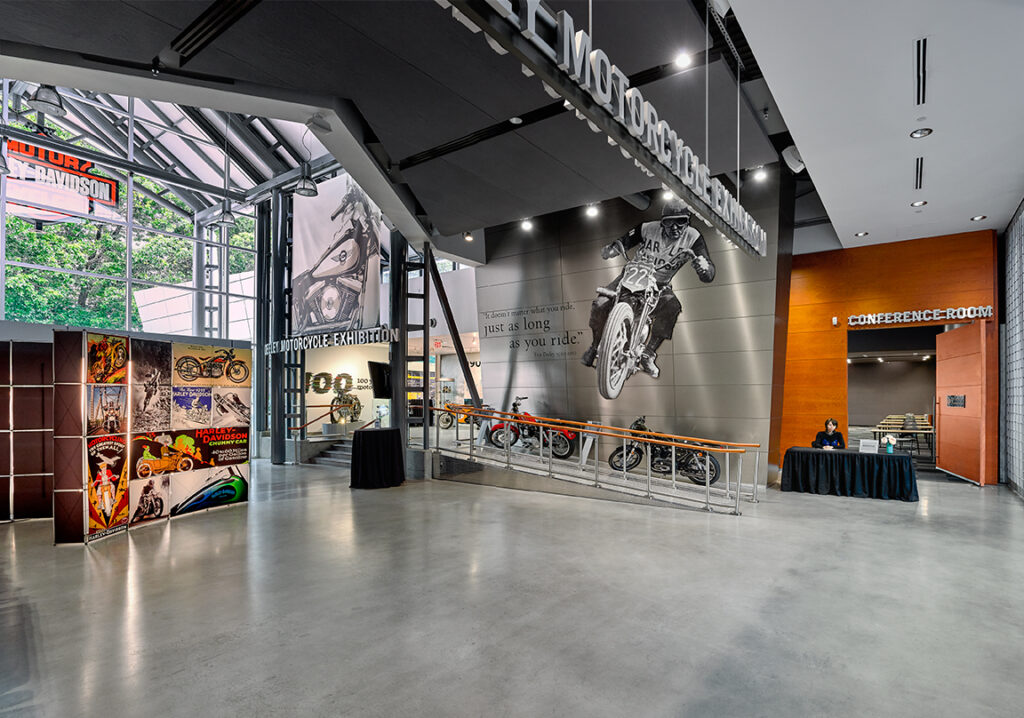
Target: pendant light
(226,218)
(47,100)
(306,187)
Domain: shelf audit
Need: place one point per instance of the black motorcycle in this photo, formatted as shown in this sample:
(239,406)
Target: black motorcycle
(689,462)
(222,363)
(151,505)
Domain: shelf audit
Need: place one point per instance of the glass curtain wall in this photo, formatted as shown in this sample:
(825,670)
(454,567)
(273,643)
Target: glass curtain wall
(139,263)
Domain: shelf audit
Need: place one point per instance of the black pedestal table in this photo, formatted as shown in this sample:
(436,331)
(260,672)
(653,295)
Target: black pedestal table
(378,459)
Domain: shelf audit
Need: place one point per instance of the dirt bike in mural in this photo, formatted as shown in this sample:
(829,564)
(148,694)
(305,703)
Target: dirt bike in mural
(328,293)
(222,363)
(562,441)
(628,326)
(690,463)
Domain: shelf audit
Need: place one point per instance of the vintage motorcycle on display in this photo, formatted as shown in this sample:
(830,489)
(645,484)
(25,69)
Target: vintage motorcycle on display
(689,462)
(447,418)
(222,363)
(328,293)
(629,323)
(563,441)
(345,405)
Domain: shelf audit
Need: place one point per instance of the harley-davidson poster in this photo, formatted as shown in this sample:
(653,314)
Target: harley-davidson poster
(107,485)
(336,259)
(202,365)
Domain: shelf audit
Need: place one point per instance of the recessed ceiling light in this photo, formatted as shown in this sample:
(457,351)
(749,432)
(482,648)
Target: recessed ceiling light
(591,210)
(926,357)
(979,217)
(683,60)
(921,132)
(667,195)
(516,120)
(468,236)
(760,175)
(919,203)
(849,361)
(861,234)
(881,359)
(527,225)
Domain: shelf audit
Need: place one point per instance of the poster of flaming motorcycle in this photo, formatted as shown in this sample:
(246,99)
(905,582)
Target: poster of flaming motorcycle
(107,359)
(199,365)
(107,493)
(336,259)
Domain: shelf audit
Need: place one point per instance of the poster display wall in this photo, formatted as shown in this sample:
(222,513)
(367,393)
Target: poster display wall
(336,258)
(167,431)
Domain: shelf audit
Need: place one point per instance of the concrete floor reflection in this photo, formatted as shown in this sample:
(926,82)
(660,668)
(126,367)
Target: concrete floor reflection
(451,599)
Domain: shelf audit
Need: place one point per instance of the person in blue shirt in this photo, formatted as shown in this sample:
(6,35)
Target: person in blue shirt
(830,438)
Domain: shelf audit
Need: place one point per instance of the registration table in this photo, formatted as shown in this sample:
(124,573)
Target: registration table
(378,459)
(849,473)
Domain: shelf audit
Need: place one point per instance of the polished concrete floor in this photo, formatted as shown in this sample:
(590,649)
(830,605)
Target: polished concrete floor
(451,599)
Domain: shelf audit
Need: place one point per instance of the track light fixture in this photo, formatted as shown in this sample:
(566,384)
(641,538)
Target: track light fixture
(47,100)
(306,187)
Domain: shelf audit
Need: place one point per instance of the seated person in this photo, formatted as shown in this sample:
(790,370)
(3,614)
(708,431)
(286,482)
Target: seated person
(830,438)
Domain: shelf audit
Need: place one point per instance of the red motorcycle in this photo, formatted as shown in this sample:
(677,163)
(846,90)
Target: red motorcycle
(562,440)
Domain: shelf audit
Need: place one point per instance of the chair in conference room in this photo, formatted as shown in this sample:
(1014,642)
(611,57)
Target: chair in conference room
(909,441)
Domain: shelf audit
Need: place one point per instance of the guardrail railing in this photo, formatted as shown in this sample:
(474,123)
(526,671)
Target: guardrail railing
(668,486)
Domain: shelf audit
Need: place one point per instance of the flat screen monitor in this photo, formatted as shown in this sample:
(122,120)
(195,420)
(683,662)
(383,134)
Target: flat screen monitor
(380,378)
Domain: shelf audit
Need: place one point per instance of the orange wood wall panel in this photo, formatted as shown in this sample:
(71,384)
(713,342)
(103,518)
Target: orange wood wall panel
(934,273)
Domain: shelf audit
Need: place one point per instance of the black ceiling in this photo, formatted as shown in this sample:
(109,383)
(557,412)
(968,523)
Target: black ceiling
(422,79)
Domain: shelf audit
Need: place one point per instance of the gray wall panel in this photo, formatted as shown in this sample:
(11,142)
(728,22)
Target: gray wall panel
(723,335)
(723,401)
(522,294)
(720,301)
(749,367)
(545,262)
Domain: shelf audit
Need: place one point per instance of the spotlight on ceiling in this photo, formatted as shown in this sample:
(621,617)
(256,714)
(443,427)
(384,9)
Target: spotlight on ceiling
(880,359)
(919,203)
(47,100)
(468,236)
(921,132)
(591,210)
(979,217)
(760,175)
(861,234)
(516,120)
(667,195)
(926,357)
(305,187)
(849,360)
(526,225)
(683,60)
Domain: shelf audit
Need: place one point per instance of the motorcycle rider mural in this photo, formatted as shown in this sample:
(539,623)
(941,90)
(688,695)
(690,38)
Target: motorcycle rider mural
(645,307)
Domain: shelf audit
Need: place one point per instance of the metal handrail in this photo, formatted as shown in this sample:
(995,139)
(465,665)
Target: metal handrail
(331,409)
(583,429)
(587,428)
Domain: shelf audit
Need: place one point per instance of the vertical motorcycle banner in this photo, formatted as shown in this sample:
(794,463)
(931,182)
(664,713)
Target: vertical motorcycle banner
(106,410)
(201,365)
(336,240)
(107,360)
(151,385)
(190,407)
(107,485)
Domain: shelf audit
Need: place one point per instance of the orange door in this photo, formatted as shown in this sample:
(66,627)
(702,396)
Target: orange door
(966,397)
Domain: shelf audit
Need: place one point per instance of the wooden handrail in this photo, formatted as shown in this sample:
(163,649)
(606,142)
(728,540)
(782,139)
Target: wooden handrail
(589,429)
(326,413)
(583,424)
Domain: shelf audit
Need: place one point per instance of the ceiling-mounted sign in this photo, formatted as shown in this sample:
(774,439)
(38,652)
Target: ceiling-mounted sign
(568,63)
(922,315)
(62,171)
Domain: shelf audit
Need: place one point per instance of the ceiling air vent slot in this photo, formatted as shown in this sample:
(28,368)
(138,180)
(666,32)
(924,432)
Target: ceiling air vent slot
(919,173)
(921,68)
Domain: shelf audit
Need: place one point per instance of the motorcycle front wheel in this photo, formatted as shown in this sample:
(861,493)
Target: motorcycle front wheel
(143,469)
(613,362)
(238,371)
(693,467)
(184,464)
(446,421)
(158,507)
(634,456)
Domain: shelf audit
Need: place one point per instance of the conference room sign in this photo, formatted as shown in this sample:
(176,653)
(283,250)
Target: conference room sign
(949,314)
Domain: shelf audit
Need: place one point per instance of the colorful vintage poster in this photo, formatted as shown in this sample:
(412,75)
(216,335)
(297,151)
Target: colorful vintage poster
(156,453)
(108,359)
(223,446)
(151,407)
(231,407)
(190,407)
(108,485)
(200,365)
(209,488)
(151,362)
(107,410)
(150,498)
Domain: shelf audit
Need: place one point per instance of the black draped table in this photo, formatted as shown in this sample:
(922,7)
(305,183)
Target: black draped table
(378,459)
(849,473)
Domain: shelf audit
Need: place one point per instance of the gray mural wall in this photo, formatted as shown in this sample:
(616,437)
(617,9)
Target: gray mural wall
(534,299)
